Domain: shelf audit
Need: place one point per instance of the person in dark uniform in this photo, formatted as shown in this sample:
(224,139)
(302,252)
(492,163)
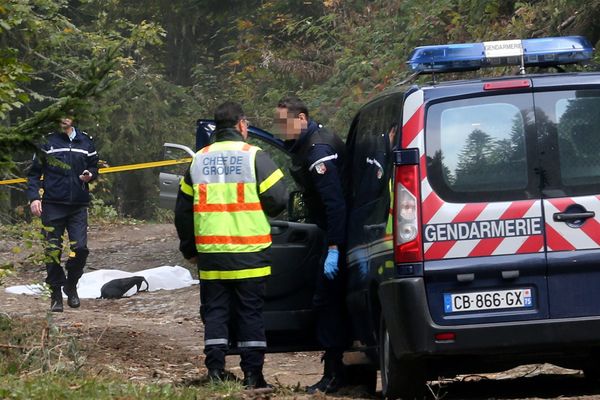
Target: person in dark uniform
(204,132)
(317,162)
(221,219)
(68,162)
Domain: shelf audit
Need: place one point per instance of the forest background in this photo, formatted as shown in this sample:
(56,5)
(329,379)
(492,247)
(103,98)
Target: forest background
(138,74)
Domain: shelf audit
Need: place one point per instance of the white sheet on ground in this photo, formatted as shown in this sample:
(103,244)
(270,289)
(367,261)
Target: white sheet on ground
(165,277)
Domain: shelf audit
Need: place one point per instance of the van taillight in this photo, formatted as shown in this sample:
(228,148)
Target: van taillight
(407,231)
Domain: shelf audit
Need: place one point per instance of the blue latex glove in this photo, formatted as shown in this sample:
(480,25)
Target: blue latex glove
(331,264)
(363,262)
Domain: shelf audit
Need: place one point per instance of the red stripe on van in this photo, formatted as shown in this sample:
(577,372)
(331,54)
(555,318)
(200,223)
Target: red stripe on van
(413,126)
(470,212)
(439,250)
(516,210)
(431,205)
(561,203)
(555,241)
(533,244)
(423,166)
(591,227)
(486,247)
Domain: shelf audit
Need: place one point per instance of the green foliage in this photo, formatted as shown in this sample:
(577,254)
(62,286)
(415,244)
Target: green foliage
(36,346)
(27,246)
(173,62)
(38,360)
(78,386)
(100,212)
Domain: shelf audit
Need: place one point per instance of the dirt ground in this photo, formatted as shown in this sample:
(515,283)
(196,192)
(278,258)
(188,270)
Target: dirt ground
(157,336)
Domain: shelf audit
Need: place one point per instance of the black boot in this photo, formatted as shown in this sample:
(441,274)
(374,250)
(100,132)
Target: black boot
(333,376)
(72,296)
(216,375)
(255,380)
(56,300)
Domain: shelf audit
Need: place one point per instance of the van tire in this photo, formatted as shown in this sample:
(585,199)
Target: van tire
(400,379)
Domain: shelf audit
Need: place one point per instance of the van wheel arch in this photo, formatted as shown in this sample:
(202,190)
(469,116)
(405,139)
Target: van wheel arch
(400,379)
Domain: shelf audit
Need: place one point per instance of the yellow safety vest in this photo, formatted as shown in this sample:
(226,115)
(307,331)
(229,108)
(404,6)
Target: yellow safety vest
(228,216)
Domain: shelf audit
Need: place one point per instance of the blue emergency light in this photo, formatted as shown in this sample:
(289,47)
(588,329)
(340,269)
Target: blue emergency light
(542,52)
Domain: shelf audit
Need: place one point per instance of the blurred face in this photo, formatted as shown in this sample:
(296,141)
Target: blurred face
(288,125)
(66,124)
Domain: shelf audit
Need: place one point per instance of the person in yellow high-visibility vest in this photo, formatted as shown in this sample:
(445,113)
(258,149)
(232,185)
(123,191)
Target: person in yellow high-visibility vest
(221,219)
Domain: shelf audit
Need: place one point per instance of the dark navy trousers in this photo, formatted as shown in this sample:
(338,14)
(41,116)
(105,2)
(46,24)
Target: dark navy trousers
(57,218)
(329,304)
(237,304)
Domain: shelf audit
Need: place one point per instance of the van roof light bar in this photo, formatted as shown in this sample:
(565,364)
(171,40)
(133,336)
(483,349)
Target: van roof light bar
(542,52)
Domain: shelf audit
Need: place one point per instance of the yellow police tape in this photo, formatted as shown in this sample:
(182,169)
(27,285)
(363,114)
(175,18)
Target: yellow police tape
(119,168)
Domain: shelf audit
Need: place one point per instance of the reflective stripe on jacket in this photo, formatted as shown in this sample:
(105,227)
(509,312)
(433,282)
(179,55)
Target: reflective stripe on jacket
(61,161)
(272,194)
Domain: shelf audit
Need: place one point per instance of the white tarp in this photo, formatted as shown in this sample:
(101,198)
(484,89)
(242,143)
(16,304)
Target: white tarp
(165,277)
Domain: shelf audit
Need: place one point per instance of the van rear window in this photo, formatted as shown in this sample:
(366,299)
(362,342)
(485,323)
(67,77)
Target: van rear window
(477,148)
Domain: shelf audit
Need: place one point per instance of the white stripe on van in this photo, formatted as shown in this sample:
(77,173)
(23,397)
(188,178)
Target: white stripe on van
(411,105)
(510,245)
(462,248)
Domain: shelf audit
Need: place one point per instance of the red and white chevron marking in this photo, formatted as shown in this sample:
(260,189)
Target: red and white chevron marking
(435,210)
(562,237)
(449,213)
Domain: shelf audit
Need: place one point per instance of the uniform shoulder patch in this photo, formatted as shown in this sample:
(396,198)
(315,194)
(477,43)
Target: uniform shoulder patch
(321,168)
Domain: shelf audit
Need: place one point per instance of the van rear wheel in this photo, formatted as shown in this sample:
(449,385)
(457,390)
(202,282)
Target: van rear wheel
(400,379)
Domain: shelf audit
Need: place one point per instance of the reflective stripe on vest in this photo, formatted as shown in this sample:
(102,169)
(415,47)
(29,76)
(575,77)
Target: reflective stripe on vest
(236,274)
(228,216)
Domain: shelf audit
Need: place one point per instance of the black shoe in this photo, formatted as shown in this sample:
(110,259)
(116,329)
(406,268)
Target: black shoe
(255,380)
(327,384)
(216,375)
(56,300)
(72,296)
(333,374)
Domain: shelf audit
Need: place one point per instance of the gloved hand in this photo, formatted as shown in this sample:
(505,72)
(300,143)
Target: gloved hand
(331,264)
(363,262)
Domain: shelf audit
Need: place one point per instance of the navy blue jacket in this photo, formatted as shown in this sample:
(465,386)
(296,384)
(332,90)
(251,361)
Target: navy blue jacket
(61,161)
(203,134)
(317,164)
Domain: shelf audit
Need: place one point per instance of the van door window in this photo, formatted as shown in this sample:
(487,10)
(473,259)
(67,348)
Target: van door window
(570,121)
(369,169)
(477,149)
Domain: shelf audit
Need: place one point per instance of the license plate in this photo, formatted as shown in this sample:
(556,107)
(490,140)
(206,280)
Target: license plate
(476,301)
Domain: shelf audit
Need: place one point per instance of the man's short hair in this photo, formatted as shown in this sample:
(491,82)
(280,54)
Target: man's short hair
(228,114)
(294,105)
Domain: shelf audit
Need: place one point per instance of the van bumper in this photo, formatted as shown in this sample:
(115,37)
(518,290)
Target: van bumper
(412,331)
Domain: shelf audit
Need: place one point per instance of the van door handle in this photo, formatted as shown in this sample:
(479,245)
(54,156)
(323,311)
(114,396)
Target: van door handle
(514,274)
(465,277)
(277,230)
(563,217)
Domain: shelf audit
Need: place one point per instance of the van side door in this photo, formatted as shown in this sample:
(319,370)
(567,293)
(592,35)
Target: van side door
(568,123)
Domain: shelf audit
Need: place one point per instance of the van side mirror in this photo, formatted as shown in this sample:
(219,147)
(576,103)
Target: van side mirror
(297,210)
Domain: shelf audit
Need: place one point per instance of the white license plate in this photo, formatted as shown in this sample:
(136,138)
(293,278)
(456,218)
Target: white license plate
(475,301)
